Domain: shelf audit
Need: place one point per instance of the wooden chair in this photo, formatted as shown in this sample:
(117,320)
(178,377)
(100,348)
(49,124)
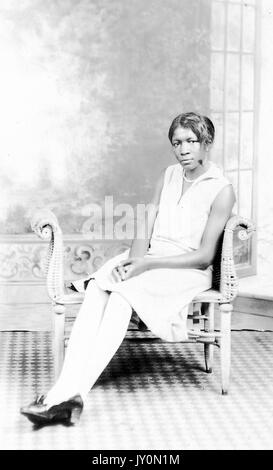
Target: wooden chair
(223,292)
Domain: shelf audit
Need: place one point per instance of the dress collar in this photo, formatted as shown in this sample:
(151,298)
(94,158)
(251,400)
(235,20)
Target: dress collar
(213,171)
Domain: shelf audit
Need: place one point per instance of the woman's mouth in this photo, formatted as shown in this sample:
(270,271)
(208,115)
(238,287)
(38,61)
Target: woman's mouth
(186,161)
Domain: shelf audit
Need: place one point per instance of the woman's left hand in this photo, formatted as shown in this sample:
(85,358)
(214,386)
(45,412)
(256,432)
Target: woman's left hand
(131,267)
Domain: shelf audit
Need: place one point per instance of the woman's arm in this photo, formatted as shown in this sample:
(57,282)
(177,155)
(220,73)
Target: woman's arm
(203,257)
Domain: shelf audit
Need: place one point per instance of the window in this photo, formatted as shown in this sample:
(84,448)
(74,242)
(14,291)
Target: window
(234,107)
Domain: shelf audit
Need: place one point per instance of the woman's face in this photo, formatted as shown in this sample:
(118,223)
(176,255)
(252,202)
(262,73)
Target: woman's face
(187,148)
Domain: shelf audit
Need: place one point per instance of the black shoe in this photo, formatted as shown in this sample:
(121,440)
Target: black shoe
(66,412)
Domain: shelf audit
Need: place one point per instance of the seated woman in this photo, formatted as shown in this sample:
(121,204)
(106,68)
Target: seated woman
(158,277)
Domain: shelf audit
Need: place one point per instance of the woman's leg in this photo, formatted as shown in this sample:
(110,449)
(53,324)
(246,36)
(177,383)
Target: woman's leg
(81,340)
(92,344)
(110,335)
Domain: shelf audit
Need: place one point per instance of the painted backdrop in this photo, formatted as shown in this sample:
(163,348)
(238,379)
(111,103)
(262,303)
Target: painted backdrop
(88,89)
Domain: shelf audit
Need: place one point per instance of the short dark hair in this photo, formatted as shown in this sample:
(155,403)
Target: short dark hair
(200,125)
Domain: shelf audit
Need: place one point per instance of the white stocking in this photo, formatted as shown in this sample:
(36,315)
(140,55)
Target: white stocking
(97,333)
(82,337)
(111,333)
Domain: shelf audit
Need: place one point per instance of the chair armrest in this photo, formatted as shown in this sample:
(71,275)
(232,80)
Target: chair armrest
(229,280)
(45,224)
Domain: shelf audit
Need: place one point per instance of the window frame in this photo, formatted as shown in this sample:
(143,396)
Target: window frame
(250,267)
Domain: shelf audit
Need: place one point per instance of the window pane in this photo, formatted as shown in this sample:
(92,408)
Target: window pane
(248,28)
(247,82)
(247,130)
(217,152)
(217,81)
(245,193)
(218,26)
(232,141)
(232,75)
(241,249)
(234,27)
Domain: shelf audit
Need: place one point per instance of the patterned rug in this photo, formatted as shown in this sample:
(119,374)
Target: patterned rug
(153,395)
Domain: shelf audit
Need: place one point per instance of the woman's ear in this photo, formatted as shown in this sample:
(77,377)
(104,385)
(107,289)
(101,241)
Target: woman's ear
(207,147)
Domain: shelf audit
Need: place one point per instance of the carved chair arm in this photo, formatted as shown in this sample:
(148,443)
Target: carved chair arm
(228,276)
(45,224)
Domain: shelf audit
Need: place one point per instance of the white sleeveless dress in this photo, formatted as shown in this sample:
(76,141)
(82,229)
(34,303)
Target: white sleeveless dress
(161,297)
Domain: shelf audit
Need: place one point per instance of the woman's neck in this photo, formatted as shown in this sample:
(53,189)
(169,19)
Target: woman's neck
(196,172)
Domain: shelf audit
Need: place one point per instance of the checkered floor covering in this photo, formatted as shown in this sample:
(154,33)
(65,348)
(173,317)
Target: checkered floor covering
(153,395)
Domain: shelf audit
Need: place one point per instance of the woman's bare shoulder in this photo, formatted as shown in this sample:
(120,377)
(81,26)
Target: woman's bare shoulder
(225,198)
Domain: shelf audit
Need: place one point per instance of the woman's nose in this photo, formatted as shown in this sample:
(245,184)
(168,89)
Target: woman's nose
(184,147)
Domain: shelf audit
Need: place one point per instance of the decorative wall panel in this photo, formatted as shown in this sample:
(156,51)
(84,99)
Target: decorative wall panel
(23,259)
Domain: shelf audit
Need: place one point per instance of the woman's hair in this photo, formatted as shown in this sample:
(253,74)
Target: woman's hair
(200,125)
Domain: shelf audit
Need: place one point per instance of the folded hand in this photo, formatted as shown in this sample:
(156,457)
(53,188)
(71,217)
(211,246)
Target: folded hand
(129,268)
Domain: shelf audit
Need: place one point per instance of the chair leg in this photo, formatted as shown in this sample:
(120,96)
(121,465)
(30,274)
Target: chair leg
(58,338)
(209,326)
(225,350)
